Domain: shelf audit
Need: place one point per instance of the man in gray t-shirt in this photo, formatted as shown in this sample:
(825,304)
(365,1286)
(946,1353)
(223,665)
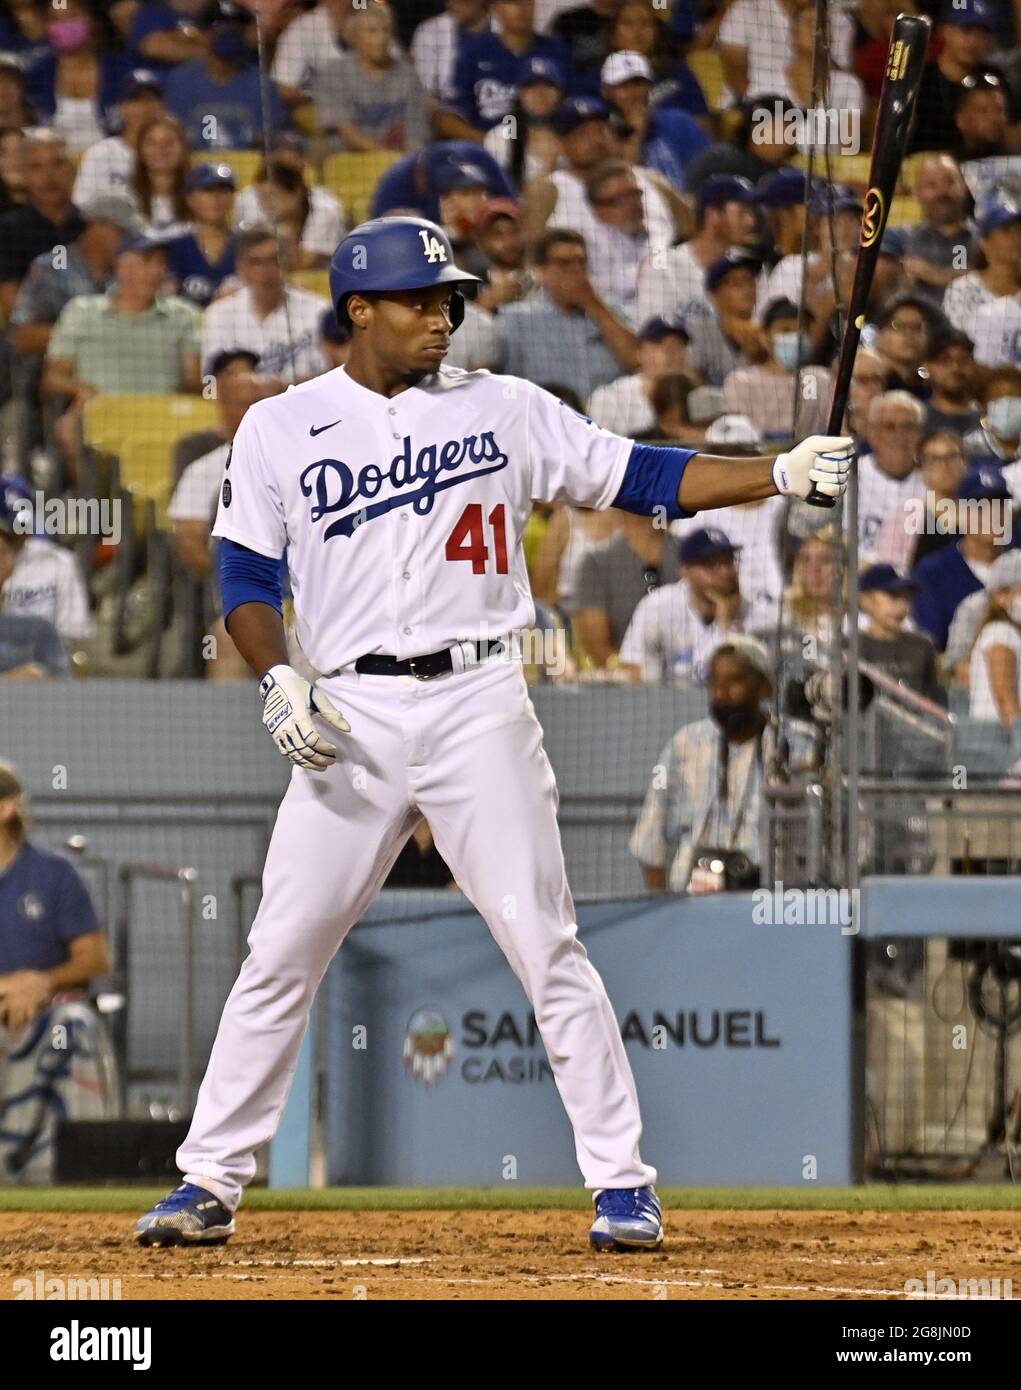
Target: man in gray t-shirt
(614,576)
(369,95)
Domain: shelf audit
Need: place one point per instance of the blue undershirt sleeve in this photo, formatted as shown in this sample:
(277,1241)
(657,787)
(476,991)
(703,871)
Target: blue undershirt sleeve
(652,480)
(247,577)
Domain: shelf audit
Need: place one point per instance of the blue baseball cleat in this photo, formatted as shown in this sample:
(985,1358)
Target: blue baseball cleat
(627,1218)
(189,1216)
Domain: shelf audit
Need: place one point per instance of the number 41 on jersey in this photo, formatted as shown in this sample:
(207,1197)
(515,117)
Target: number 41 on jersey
(467,541)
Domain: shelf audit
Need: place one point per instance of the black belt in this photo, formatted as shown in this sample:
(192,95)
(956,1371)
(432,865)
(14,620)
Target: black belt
(424,668)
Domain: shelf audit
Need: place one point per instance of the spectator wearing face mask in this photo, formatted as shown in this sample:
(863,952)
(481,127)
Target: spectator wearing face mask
(997,439)
(885,595)
(675,628)
(706,790)
(781,395)
(995,668)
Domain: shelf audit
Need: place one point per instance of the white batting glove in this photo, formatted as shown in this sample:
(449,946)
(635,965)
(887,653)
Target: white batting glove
(289,702)
(822,459)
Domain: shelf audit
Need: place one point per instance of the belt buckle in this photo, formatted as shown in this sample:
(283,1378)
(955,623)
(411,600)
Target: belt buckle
(411,664)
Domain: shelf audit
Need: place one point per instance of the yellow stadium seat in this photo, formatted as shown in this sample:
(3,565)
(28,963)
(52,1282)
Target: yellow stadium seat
(245,163)
(146,469)
(904,211)
(110,421)
(353,177)
(705,64)
(317,281)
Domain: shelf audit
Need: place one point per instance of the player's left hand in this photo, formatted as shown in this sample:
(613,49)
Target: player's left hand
(289,702)
(823,460)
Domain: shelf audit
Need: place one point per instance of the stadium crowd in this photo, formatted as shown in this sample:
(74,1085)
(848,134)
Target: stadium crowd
(663,206)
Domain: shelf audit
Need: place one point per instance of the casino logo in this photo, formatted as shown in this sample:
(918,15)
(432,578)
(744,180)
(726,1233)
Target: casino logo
(30,905)
(428,1050)
(873,216)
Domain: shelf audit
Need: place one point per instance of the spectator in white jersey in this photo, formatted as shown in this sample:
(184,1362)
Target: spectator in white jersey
(674,629)
(995,670)
(625,405)
(997,437)
(997,284)
(45,580)
(268,316)
(107,166)
(888,472)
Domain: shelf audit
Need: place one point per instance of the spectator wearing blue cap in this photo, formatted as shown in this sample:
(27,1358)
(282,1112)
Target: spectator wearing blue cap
(962,43)
(950,575)
(675,628)
(411,183)
(725,220)
(885,595)
(73,86)
(625,406)
(485,78)
(783,395)
(941,247)
(566,332)
(437,42)
(525,144)
(367,96)
(728,336)
(756,41)
(131,340)
(658,137)
(107,166)
(218,97)
(203,258)
(996,286)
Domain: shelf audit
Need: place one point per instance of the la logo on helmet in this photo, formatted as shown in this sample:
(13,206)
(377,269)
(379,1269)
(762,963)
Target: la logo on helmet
(433,248)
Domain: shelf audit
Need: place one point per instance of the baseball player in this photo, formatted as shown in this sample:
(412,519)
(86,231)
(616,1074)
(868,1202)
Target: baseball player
(400,490)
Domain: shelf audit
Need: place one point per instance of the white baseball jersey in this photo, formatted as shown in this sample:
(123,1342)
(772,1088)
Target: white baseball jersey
(47,583)
(106,167)
(287,340)
(195,495)
(402,516)
(670,641)
(879,498)
(997,333)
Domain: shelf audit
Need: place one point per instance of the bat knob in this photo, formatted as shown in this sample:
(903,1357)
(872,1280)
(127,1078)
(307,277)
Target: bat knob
(820,499)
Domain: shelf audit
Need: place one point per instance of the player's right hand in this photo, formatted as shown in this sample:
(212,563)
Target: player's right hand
(823,460)
(288,704)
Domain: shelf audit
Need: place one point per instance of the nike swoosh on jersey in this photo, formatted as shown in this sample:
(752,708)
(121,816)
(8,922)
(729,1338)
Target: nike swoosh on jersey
(319,429)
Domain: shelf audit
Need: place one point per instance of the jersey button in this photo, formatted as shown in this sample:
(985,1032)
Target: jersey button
(396,435)
(391,411)
(407,574)
(408,631)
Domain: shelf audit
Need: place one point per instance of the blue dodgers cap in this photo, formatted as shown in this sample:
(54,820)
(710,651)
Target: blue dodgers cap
(983,483)
(538,68)
(706,541)
(575,111)
(719,189)
(999,212)
(137,81)
(886,579)
(654,330)
(461,173)
(735,259)
(210,176)
(970,14)
(785,188)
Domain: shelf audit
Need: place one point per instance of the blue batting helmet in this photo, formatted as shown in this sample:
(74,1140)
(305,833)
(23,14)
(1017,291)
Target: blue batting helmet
(395,253)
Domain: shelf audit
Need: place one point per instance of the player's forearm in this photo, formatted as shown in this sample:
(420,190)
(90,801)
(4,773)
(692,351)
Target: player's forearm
(257,630)
(710,480)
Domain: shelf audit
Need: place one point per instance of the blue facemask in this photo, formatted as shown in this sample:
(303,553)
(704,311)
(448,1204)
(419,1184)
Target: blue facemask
(1004,415)
(788,349)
